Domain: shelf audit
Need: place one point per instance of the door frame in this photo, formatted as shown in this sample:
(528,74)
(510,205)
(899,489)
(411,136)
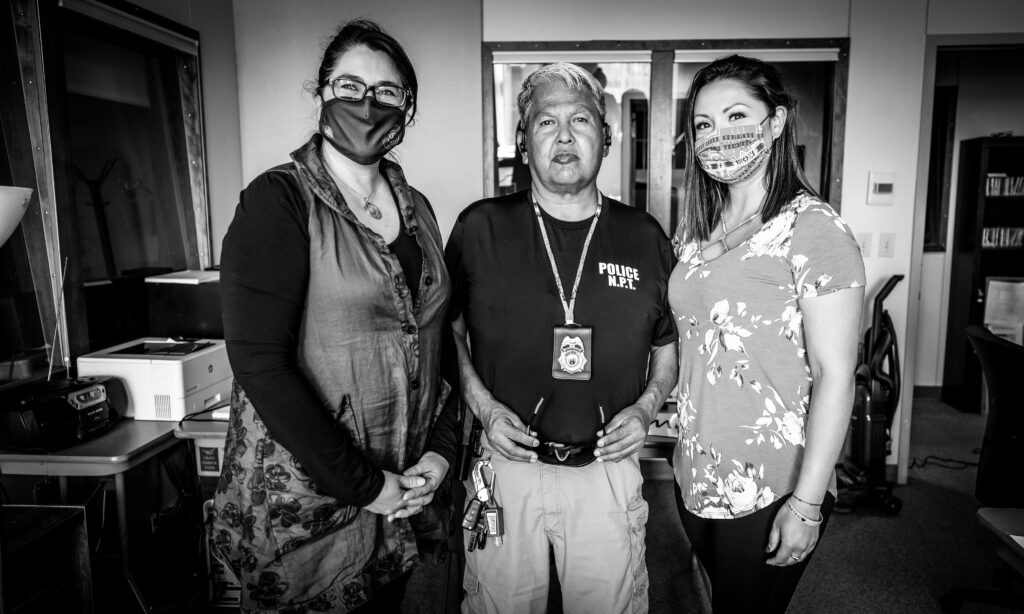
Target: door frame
(932,44)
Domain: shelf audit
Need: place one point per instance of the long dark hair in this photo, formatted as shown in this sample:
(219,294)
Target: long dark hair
(704,197)
(367,33)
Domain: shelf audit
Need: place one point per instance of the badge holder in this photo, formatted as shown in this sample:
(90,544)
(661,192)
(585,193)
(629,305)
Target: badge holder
(572,349)
(572,352)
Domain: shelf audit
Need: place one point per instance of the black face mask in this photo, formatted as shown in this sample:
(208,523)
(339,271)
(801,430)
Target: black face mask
(362,131)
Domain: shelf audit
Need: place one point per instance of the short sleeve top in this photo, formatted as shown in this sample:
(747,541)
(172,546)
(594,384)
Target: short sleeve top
(504,286)
(744,377)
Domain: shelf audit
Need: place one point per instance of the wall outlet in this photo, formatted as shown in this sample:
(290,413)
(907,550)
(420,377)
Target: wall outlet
(864,240)
(886,244)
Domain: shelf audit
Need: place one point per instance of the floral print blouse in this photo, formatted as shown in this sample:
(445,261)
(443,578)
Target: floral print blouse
(744,378)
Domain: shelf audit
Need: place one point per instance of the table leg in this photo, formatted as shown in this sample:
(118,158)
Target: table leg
(122,522)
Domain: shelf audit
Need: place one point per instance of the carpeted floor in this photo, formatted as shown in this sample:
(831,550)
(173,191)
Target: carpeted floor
(868,561)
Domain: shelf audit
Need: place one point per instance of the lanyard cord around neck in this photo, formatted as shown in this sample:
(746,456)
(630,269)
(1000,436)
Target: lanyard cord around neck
(569,306)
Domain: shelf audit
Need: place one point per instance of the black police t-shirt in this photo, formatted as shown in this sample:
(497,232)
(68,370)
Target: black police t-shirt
(503,286)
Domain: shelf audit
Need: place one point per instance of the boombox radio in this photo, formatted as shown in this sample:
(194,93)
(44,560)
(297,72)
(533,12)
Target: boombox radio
(49,416)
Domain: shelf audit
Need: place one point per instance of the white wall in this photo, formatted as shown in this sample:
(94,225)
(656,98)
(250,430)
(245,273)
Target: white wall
(573,20)
(882,128)
(279,47)
(213,20)
(975,17)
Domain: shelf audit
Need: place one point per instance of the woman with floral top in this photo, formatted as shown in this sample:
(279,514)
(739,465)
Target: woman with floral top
(767,296)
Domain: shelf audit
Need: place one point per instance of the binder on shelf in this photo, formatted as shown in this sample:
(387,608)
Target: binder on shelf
(995,237)
(999,184)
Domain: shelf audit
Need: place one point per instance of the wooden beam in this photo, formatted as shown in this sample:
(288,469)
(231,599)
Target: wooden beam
(661,141)
(490,178)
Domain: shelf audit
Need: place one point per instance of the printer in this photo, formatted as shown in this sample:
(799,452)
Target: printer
(166,378)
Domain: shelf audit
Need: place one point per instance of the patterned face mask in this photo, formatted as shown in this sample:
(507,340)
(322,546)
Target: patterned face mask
(733,154)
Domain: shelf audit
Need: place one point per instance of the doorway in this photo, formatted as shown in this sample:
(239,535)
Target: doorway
(978,91)
(927,324)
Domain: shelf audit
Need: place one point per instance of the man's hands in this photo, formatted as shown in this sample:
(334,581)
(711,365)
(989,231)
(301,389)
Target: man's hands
(505,432)
(624,435)
(503,429)
(627,431)
(405,495)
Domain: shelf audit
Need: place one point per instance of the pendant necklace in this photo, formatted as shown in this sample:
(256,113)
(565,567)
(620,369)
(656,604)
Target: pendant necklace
(371,209)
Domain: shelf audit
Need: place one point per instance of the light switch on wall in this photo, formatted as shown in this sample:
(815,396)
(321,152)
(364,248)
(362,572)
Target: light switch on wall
(864,240)
(886,244)
(880,188)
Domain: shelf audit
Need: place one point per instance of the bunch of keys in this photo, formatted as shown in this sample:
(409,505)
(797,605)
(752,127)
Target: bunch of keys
(483,517)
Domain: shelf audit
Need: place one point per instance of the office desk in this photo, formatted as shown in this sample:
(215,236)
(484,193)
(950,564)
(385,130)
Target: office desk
(1005,522)
(128,444)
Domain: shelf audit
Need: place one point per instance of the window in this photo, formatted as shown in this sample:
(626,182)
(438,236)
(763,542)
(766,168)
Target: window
(108,104)
(646,88)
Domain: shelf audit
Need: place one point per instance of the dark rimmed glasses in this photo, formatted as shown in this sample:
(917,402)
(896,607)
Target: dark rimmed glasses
(384,93)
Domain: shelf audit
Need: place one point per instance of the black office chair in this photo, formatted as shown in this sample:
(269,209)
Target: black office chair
(1002,460)
(1002,449)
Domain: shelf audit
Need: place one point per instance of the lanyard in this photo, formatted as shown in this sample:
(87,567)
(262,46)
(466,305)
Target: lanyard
(571,304)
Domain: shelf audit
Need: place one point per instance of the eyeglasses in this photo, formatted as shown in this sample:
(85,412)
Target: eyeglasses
(387,95)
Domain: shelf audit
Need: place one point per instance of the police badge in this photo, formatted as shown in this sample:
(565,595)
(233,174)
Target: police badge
(572,353)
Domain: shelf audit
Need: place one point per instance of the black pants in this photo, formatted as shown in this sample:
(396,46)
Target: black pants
(388,598)
(732,553)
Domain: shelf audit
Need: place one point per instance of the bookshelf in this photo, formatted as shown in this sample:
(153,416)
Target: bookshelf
(988,242)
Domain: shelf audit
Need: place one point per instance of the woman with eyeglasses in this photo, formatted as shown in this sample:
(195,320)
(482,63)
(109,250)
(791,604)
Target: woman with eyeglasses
(334,293)
(767,295)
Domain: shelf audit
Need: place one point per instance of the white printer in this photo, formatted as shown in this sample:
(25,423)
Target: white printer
(166,379)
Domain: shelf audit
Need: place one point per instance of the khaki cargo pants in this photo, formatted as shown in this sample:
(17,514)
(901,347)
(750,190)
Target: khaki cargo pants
(594,518)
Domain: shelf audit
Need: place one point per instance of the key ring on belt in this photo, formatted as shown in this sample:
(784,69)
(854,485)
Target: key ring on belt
(483,488)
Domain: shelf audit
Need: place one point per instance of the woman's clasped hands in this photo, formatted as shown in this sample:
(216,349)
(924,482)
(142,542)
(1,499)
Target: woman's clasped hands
(407,494)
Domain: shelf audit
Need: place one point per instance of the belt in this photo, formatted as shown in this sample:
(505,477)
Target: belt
(553,453)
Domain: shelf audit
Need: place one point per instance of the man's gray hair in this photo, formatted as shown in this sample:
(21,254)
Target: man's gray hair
(570,75)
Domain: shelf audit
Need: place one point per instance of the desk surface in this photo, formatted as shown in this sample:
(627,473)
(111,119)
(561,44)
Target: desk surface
(126,445)
(1004,522)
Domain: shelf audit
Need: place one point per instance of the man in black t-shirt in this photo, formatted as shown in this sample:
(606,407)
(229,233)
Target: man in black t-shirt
(567,350)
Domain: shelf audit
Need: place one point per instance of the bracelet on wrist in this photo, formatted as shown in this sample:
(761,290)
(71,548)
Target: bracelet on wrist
(804,502)
(804,519)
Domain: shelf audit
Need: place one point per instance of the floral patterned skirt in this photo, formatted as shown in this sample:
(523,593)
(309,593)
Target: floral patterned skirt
(293,548)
